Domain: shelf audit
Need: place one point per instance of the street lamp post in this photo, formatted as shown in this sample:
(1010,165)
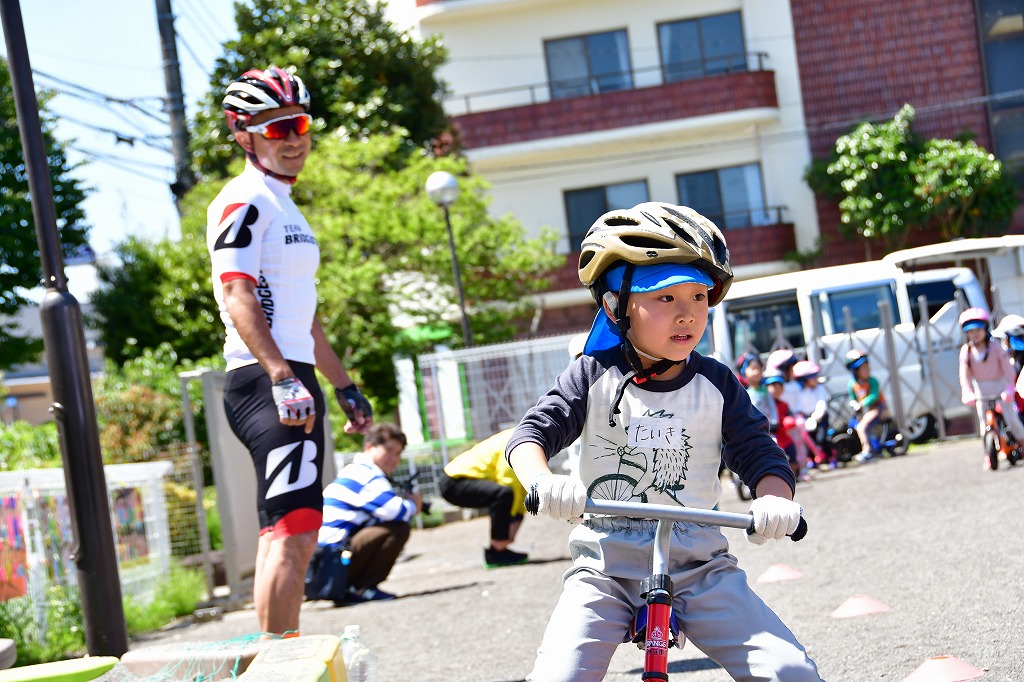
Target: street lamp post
(443,190)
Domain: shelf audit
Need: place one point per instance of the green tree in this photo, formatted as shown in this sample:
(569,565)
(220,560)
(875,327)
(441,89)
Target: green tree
(965,190)
(364,75)
(889,182)
(869,172)
(20,267)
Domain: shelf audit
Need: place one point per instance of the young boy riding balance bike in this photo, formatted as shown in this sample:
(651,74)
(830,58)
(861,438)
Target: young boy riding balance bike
(656,418)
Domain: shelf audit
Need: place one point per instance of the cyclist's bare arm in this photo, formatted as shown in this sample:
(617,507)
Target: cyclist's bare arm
(251,323)
(330,365)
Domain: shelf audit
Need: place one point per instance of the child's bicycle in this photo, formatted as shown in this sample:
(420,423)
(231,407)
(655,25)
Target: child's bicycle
(655,628)
(884,438)
(998,438)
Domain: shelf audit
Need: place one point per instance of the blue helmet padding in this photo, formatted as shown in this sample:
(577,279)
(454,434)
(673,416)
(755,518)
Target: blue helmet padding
(1016,342)
(646,278)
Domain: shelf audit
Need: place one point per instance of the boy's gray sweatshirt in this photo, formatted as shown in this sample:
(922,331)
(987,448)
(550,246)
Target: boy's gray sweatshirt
(668,439)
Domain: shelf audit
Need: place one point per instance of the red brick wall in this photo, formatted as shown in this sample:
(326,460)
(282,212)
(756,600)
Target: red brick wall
(610,110)
(865,58)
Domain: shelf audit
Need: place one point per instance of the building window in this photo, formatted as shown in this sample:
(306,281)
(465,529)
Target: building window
(589,64)
(729,197)
(1002,33)
(584,206)
(701,47)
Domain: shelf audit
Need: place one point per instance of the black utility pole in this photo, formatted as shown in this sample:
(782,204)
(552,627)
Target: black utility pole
(184,179)
(73,407)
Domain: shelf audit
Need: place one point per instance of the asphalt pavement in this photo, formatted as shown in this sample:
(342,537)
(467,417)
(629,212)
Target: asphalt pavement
(931,536)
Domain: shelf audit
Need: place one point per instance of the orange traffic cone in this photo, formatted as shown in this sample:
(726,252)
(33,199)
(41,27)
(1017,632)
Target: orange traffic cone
(778,573)
(859,606)
(944,669)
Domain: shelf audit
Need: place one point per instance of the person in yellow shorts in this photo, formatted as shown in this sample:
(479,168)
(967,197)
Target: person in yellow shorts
(481,477)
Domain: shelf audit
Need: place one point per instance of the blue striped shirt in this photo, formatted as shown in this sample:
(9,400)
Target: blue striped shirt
(360,496)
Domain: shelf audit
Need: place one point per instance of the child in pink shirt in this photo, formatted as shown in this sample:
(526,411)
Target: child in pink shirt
(985,370)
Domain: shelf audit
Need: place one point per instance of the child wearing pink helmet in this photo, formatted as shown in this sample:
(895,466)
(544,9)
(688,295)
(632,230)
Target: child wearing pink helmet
(985,370)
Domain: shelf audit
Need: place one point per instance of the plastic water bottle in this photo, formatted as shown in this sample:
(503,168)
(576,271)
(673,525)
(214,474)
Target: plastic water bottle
(360,663)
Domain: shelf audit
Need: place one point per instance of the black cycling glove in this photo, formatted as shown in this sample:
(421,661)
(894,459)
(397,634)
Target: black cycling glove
(353,402)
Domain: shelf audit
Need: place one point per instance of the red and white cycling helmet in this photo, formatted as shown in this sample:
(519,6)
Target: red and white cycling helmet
(256,91)
(974,318)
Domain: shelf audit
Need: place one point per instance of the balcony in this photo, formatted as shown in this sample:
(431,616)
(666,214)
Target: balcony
(525,117)
(750,245)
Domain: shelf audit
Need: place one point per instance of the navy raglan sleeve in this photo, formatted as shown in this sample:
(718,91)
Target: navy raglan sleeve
(749,450)
(557,418)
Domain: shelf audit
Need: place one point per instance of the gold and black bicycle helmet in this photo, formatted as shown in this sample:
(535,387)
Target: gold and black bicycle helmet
(650,233)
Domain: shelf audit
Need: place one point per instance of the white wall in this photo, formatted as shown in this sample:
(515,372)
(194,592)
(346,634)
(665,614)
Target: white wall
(495,44)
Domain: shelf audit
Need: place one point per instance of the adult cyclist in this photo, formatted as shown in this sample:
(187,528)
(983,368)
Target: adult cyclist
(264,258)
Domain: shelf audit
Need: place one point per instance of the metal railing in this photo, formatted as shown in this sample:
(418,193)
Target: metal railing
(653,76)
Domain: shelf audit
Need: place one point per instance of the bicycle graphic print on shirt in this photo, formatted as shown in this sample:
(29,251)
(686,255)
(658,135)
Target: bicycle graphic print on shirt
(654,456)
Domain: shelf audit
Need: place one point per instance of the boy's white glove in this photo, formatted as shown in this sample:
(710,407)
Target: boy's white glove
(559,496)
(774,518)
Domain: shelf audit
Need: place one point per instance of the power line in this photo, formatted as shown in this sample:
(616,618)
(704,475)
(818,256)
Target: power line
(112,162)
(209,13)
(120,159)
(201,28)
(191,53)
(132,103)
(120,136)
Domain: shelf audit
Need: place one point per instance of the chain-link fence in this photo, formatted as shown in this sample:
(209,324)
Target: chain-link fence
(469,394)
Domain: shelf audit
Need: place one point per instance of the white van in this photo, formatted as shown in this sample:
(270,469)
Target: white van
(803,306)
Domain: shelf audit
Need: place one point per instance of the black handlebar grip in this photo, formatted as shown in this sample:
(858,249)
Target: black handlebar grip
(795,536)
(800,532)
(532,501)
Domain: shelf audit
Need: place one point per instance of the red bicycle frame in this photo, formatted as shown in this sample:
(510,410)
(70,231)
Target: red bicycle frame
(657,588)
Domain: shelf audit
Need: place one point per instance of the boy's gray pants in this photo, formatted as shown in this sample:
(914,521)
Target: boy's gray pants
(717,610)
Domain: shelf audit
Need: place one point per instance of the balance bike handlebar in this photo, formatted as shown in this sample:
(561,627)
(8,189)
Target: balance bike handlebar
(664,512)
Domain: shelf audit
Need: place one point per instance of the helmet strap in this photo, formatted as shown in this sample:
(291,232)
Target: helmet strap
(290,179)
(639,373)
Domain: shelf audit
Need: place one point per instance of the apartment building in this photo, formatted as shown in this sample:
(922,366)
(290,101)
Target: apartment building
(570,108)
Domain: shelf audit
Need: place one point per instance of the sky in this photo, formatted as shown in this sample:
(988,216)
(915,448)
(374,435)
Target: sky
(112,48)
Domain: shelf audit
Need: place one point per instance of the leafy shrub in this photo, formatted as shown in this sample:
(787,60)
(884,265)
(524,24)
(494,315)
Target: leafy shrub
(63,636)
(29,447)
(177,594)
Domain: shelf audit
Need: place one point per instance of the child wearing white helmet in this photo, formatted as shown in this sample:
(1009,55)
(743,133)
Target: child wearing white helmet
(656,419)
(1010,331)
(985,370)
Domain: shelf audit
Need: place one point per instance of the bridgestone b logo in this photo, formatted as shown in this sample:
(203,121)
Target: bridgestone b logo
(291,467)
(237,235)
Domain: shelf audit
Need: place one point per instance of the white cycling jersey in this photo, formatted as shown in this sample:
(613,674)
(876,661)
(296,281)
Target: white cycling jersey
(255,231)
